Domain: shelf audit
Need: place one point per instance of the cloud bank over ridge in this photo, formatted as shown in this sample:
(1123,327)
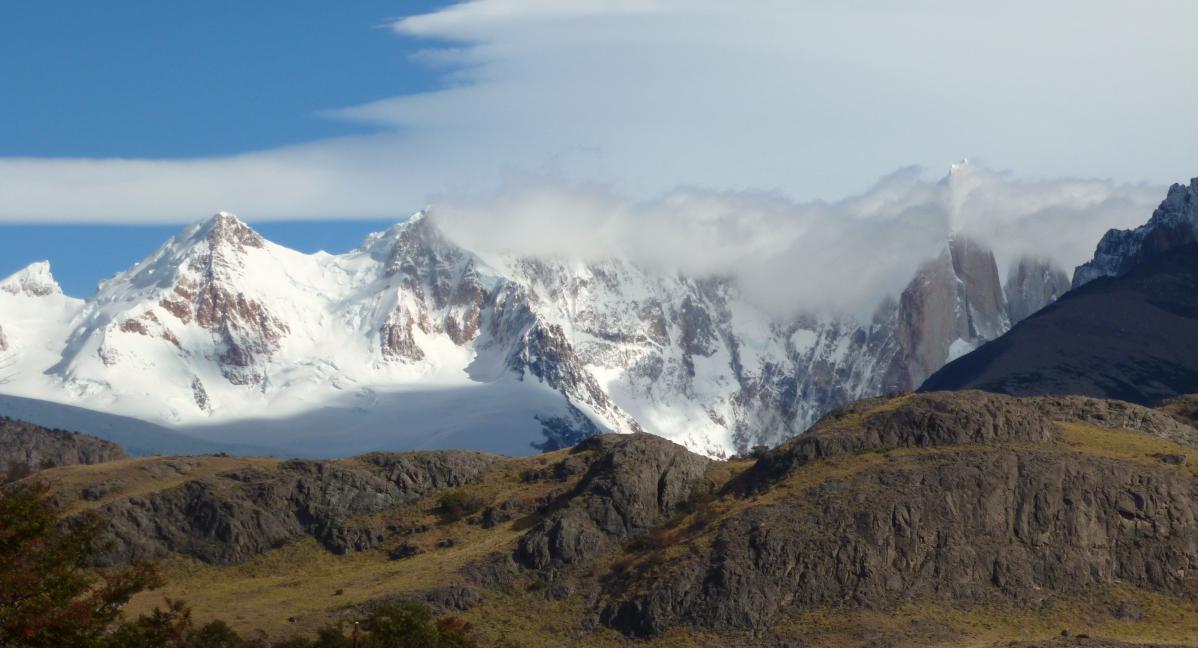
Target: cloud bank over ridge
(841,256)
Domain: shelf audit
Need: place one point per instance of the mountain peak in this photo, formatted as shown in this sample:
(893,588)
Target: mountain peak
(33,280)
(1174,224)
(225,227)
(418,236)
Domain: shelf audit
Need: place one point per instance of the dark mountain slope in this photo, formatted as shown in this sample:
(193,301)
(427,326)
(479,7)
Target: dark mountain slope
(1133,338)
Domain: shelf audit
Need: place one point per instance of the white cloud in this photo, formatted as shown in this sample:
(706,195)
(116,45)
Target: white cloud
(843,256)
(808,98)
(761,108)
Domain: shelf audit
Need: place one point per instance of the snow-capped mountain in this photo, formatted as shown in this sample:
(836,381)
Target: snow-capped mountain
(1172,225)
(35,321)
(413,341)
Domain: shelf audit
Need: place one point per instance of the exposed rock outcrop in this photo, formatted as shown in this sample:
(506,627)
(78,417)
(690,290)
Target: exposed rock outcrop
(1183,409)
(964,526)
(995,512)
(911,421)
(436,285)
(1032,284)
(418,473)
(954,304)
(39,447)
(232,516)
(948,500)
(1114,414)
(632,484)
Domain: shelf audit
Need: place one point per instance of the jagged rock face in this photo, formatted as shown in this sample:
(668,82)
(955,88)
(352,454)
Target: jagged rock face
(631,485)
(967,500)
(995,510)
(973,265)
(1174,224)
(544,353)
(38,447)
(1031,285)
(232,516)
(690,348)
(954,304)
(438,288)
(959,527)
(245,331)
(196,281)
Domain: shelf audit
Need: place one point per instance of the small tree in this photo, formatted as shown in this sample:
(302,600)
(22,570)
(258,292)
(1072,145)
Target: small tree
(47,595)
(411,625)
(454,505)
(49,598)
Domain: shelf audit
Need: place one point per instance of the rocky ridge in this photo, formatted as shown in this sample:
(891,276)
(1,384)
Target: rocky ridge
(1012,517)
(38,448)
(233,515)
(1174,224)
(939,500)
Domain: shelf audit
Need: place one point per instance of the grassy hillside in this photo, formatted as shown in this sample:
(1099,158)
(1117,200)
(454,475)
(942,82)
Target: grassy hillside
(429,550)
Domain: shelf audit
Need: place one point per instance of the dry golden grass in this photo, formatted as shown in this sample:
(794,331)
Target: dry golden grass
(1165,618)
(1125,445)
(853,420)
(301,580)
(138,476)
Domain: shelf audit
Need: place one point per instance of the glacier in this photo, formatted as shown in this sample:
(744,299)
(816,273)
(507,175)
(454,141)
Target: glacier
(413,342)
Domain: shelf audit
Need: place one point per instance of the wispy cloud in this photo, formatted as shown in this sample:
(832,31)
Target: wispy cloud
(806,99)
(700,134)
(842,256)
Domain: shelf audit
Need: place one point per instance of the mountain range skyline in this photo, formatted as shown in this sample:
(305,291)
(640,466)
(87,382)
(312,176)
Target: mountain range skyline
(754,235)
(598,323)
(229,332)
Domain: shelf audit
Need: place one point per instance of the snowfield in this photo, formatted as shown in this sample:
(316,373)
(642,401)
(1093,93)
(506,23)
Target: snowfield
(224,339)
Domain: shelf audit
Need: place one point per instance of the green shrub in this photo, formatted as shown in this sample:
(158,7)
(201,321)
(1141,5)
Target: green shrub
(457,504)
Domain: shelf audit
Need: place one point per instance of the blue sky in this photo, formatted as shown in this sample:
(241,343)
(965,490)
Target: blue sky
(164,80)
(82,254)
(170,79)
(122,121)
